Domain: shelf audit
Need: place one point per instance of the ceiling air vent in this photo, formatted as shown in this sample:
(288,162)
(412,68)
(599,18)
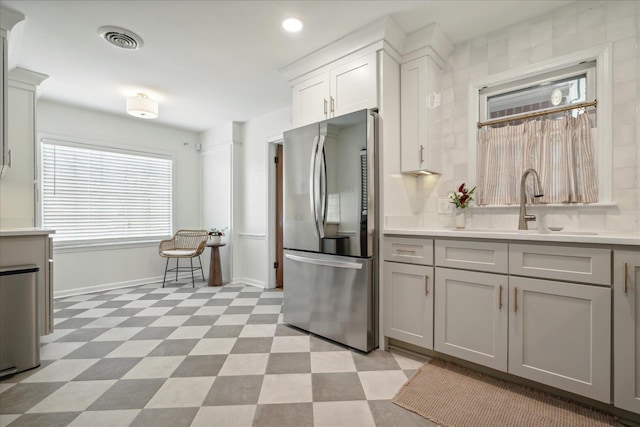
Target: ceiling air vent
(121,37)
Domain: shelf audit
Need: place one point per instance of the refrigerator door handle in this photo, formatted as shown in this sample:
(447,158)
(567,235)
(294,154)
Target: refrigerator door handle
(312,182)
(319,203)
(327,263)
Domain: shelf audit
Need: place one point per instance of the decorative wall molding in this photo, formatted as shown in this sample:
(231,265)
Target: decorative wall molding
(116,285)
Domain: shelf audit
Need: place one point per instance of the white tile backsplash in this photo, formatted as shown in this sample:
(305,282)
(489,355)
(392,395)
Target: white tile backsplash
(573,27)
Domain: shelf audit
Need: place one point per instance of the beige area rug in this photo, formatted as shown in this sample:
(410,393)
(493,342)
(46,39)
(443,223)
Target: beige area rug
(453,396)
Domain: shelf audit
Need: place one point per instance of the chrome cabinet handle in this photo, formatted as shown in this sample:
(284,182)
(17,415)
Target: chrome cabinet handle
(325,106)
(332,104)
(421,151)
(515,300)
(500,298)
(626,274)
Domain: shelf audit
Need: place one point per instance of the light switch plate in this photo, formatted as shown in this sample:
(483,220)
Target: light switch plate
(444,206)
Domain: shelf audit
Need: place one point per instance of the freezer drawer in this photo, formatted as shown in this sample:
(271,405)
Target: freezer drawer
(331,296)
(19,319)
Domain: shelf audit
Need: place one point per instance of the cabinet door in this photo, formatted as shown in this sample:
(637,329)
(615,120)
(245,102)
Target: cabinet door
(626,323)
(560,335)
(311,100)
(420,82)
(353,86)
(408,303)
(471,316)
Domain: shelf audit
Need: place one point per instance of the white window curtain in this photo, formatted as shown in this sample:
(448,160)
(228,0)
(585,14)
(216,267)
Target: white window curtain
(101,195)
(561,151)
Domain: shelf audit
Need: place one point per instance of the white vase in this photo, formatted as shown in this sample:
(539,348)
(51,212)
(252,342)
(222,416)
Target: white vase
(215,240)
(459,218)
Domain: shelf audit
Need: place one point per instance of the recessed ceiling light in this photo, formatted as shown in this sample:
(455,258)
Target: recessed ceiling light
(292,25)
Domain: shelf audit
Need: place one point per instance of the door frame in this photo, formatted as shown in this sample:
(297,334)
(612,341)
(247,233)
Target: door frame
(271,151)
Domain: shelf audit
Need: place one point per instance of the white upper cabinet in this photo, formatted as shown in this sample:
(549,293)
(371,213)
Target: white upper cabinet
(420,122)
(337,90)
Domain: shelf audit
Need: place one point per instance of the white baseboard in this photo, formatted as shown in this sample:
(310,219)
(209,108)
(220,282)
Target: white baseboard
(247,281)
(116,285)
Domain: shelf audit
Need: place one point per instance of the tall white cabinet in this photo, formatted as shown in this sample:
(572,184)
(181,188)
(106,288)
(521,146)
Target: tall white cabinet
(626,322)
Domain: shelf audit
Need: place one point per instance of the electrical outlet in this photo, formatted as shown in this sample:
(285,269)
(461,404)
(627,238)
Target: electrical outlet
(444,206)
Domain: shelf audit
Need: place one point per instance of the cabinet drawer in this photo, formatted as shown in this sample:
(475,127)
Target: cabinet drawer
(571,263)
(408,250)
(481,256)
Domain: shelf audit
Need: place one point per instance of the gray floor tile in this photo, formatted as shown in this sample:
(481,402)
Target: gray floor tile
(152,296)
(167,303)
(320,344)
(127,394)
(114,304)
(102,297)
(239,309)
(284,415)
(375,361)
(94,350)
(67,313)
(288,331)
(108,369)
(219,302)
(175,417)
(265,319)
(59,305)
(269,301)
(234,390)
(22,397)
(252,345)
(200,321)
(154,333)
(387,414)
(409,372)
(289,363)
(174,348)
(16,378)
(74,323)
(182,311)
(58,419)
(224,331)
(200,366)
(138,321)
(124,312)
(251,294)
(83,335)
(337,387)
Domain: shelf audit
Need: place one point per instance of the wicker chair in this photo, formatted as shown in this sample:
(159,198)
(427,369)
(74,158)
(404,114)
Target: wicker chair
(185,244)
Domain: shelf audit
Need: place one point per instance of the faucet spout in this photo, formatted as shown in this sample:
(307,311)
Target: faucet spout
(537,192)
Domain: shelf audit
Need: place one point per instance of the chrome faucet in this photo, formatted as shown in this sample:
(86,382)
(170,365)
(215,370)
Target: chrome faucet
(537,192)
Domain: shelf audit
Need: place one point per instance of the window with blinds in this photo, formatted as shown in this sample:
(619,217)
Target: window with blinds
(93,193)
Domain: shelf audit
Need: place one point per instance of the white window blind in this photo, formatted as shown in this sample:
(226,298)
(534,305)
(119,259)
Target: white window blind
(97,194)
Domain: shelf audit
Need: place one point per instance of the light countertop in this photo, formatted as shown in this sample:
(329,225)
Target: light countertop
(604,238)
(25,232)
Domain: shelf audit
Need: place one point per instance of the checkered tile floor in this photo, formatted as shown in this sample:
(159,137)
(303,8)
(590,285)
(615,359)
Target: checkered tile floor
(178,356)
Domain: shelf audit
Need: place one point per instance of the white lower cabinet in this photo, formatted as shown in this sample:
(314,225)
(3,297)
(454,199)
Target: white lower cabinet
(471,316)
(408,303)
(626,321)
(560,335)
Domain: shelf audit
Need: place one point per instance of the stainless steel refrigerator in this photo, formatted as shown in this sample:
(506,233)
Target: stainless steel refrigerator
(330,228)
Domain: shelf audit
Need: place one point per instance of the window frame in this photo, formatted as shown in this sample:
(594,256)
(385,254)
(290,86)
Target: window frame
(601,55)
(112,243)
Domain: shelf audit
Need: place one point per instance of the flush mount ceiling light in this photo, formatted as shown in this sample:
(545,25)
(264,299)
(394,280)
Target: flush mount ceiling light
(292,25)
(121,37)
(141,106)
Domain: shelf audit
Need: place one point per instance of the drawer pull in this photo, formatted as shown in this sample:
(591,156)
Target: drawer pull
(515,300)
(500,299)
(408,251)
(426,284)
(626,273)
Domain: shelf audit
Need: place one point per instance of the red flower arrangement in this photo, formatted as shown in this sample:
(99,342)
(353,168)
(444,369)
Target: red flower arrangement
(462,197)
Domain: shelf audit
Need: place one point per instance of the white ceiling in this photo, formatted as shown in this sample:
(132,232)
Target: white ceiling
(209,62)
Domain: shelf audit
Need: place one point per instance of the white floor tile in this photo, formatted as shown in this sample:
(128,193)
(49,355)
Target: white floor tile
(96,312)
(192,303)
(347,414)
(83,297)
(225,295)
(210,311)
(381,385)
(291,344)
(332,361)
(232,319)
(408,363)
(266,309)
(85,304)
(128,297)
(213,346)
(118,334)
(141,303)
(57,350)
(5,420)
(245,364)
(153,311)
(170,321)
(181,393)
(56,335)
(139,348)
(225,416)
(6,386)
(244,301)
(177,295)
(187,332)
(154,367)
(73,396)
(106,322)
(255,331)
(116,418)
(60,370)
(286,388)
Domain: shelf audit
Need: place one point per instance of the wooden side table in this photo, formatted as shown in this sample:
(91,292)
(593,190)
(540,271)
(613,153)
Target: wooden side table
(215,270)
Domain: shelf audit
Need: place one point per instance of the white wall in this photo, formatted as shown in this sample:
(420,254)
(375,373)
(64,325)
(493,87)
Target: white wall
(577,26)
(250,254)
(86,270)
